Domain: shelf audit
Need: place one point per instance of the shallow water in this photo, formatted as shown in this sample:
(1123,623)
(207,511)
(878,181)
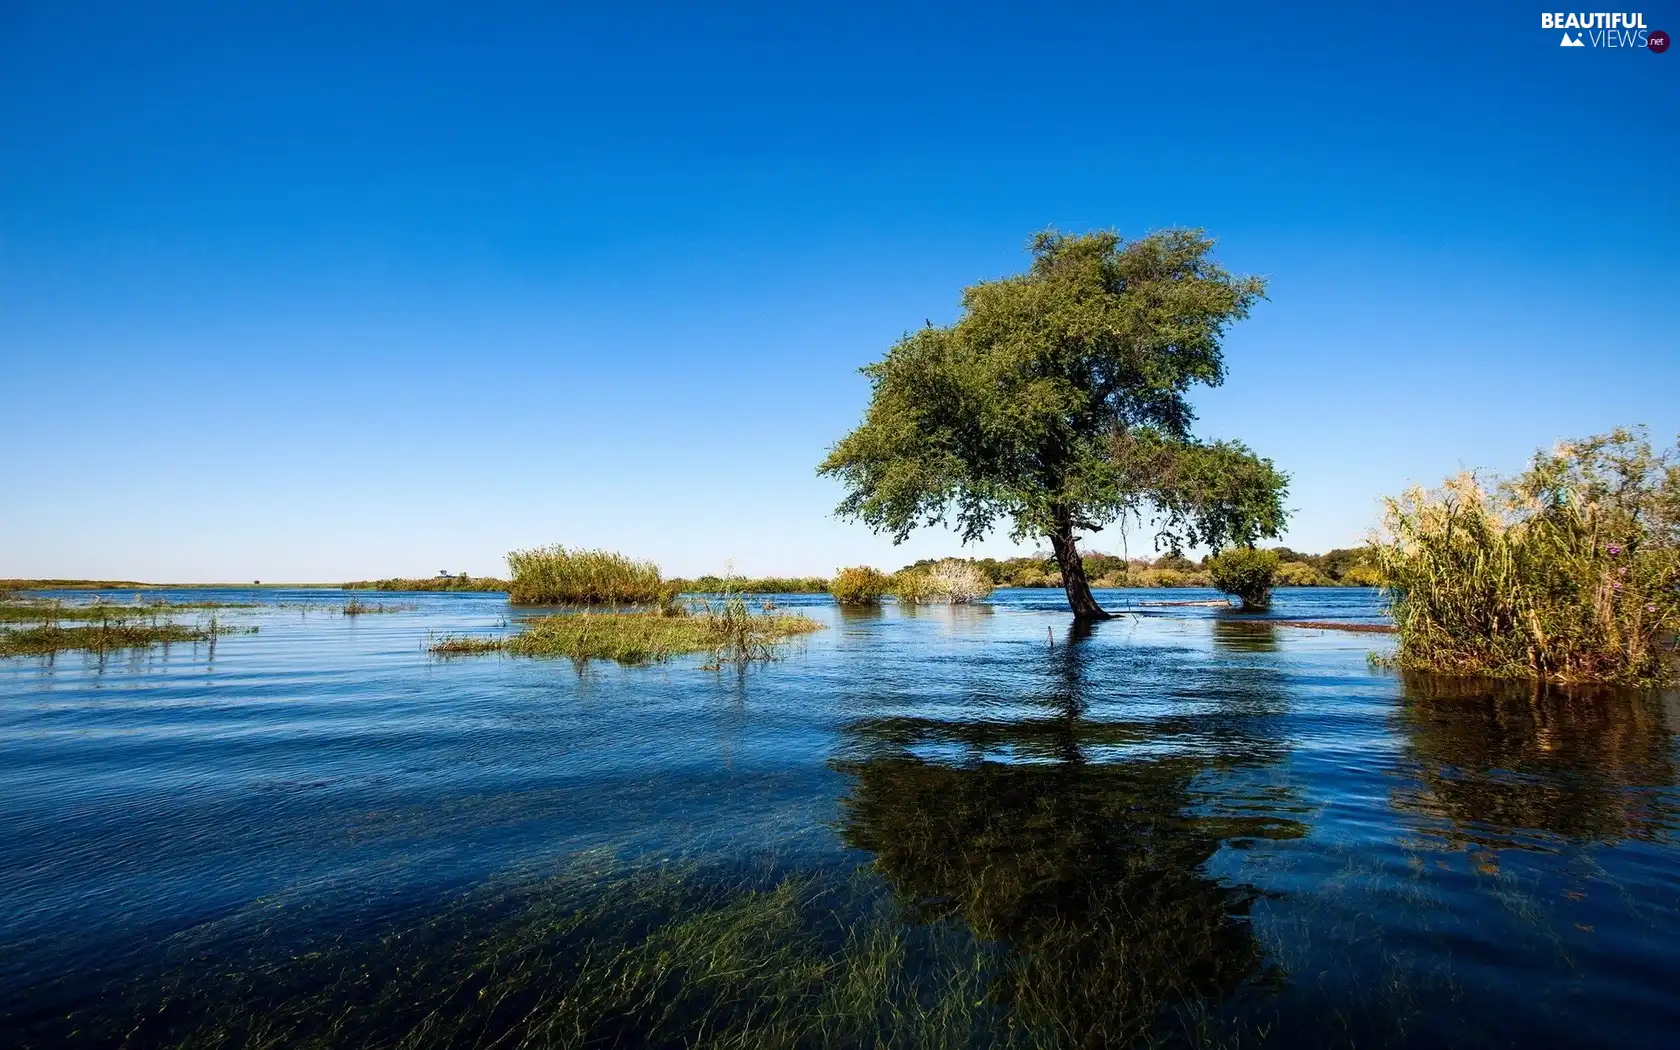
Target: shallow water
(1187,812)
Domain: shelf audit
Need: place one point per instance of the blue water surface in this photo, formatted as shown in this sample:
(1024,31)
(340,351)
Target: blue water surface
(1417,862)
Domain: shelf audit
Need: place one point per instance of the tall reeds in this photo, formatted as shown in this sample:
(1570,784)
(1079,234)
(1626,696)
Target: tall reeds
(1568,573)
(557,575)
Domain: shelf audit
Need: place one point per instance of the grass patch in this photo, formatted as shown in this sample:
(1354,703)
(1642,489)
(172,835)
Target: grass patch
(728,631)
(559,576)
(487,584)
(1567,573)
(109,635)
(54,611)
(464,645)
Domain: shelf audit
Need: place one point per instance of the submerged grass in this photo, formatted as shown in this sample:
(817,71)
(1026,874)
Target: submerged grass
(655,958)
(668,957)
(55,611)
(357,607)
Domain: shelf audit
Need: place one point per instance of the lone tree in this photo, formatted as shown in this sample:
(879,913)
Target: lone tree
(1057,400)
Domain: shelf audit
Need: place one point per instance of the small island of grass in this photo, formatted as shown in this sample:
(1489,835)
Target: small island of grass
(656,626)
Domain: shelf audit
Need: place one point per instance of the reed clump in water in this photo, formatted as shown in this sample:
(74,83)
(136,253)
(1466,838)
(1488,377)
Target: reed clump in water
(464,645)
(558,575)
(1567,573)
(859,585)
(953,581)
(727,630)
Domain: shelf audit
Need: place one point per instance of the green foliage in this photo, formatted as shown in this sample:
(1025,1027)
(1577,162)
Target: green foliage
(1018,410)
(1299,574)
(749,585)
(1246,573)
(1212,494)
(558,576)
(1170,578)
(859,585)
(1362,576)
(953,581)
(1569,572)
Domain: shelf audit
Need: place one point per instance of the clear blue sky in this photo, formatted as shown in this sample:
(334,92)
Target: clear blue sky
(318,293)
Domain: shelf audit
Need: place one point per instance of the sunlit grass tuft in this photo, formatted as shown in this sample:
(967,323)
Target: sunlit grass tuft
(464,645)
(727,630)
(559,576)
(1569,573)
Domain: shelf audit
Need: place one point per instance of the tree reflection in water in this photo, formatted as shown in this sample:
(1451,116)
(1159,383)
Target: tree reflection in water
(1502,765)
(1079,845)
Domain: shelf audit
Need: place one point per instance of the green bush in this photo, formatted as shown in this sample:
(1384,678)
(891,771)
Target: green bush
(859,585)
(954,581)
(1569,573)
(1246,573)
(558,576)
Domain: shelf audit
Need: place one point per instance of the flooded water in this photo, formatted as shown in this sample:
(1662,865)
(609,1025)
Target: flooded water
(1185,826)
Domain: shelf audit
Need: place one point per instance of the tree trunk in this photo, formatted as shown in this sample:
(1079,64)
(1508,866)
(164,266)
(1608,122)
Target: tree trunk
(1085,607)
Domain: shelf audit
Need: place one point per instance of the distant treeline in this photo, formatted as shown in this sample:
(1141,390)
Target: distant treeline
(432,583)
(1350,567)
(750,585)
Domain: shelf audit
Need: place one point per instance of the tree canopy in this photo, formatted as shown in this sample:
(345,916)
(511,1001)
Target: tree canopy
(1058,401)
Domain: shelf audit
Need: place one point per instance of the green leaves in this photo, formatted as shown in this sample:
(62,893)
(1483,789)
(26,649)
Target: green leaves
(1018,409)
(1011,407)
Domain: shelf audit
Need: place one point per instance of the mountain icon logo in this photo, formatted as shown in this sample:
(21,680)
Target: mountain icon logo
(1569,41)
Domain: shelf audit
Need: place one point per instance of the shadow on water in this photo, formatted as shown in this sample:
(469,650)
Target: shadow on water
(1507,765)
(1088,867)
(1234,635)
